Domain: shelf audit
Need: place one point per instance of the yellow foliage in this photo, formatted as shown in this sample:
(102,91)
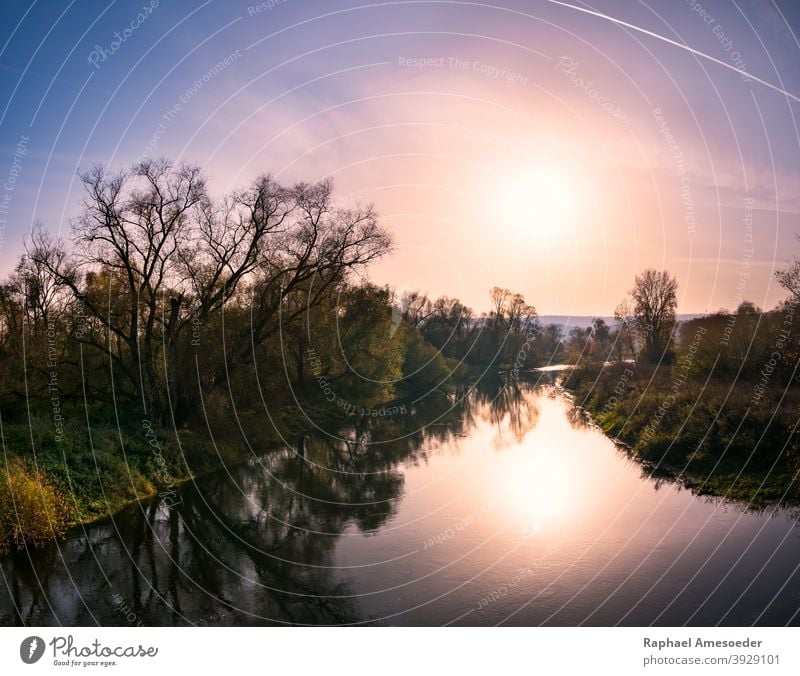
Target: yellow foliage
(32,510)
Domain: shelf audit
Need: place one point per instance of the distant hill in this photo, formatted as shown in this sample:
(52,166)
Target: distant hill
(570,322)
(584,321)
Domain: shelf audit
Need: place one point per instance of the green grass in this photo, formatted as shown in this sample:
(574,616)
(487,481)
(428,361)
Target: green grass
(711,436)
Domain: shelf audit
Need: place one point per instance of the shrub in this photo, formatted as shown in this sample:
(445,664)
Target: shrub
(32,510)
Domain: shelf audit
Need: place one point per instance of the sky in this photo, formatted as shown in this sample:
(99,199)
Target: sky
(553,148)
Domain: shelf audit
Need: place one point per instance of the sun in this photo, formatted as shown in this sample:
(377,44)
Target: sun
(540,490)
(538,200)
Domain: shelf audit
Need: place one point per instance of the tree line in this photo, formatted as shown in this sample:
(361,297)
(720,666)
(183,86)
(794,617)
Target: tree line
(172,330)
(711,400)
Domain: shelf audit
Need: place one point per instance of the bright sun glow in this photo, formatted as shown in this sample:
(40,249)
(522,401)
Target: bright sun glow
(538,201)
(540,489)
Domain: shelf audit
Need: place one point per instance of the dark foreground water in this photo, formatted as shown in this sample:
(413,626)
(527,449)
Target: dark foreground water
(509,509)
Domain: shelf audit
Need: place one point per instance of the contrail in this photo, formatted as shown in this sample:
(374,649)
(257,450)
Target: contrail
(686,47)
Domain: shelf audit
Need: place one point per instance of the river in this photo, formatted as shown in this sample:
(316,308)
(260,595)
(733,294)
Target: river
(507,508)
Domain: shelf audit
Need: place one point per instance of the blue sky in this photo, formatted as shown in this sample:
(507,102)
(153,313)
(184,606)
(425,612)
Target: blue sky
(503,90)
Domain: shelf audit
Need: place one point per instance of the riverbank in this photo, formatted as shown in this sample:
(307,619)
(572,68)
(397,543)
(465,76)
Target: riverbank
(78,476)
(713,437)
(511,471)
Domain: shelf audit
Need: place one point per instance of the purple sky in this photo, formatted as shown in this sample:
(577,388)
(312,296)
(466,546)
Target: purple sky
(525,144)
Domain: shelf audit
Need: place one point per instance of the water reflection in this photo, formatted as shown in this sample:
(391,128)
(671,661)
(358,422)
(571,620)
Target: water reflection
(411,520)
(503,403)
(253,543)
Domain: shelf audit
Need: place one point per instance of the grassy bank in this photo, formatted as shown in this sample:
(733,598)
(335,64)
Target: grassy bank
(77,477)
(715,437)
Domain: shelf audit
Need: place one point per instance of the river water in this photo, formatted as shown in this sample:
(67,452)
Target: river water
(507,508)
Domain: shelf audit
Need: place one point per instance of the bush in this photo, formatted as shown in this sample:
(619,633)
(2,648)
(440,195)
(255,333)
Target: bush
(32,510)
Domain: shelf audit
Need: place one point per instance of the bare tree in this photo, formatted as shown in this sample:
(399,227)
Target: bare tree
(655,299)
(228,244)
(133,225)
(625,334)
(416,309)
(512,322)
(154,255)
(318,249)
(789,277)
(42,291)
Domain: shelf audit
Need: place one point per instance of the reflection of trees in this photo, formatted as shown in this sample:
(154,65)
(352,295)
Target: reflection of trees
(254,550)
(21,593)
(579,418)
(506,404)
(255,544)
